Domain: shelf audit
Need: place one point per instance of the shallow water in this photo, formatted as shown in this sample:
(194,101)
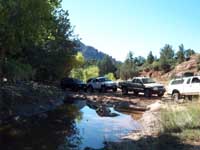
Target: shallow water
(74,126)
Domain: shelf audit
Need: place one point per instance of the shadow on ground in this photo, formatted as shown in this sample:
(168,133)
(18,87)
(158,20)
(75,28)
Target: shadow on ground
(162,142)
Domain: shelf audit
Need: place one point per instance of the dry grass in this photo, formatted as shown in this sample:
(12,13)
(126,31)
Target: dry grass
(185,123)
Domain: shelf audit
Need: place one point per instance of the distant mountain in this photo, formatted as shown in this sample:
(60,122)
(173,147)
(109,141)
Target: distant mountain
(91,53)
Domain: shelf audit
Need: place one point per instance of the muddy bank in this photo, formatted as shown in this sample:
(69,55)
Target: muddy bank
(28,99)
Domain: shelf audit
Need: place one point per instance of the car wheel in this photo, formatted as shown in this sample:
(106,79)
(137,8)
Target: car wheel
(190,97)
(75,89)
(135,93)
(114,89)
(124,91)
(63,88)
(147,93)
(160,94)
(90,89)
(103,89)
(176,96)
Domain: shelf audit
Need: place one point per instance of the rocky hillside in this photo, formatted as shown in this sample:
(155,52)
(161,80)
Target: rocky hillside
(187,66)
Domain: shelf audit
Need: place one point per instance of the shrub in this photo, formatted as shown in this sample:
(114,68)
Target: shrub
(155,65)
(181,119)
(91,72)
(15,70)
(110,76)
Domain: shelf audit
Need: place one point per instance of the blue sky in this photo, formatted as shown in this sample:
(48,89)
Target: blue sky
(119,26)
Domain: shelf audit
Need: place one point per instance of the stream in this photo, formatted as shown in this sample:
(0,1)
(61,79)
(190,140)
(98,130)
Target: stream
(72,126)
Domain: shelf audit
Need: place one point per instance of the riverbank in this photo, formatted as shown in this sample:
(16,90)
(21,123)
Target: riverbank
(167,126)
(31,99)
(27,99)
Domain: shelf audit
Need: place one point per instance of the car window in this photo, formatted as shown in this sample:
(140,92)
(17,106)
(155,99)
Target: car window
(103,79)
(138,81)
(134,80)
(89,80)
(177,82)
(78,81)
(195,80)
(188,81)
(147,80)
(68,80)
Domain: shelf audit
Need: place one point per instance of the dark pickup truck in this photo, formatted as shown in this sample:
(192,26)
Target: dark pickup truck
(142,85)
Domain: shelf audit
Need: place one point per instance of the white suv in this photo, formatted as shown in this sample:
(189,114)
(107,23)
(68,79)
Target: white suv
(185,86)
(101,84)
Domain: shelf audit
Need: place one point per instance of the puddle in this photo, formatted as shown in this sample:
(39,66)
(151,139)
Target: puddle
(74,126)
(95,129)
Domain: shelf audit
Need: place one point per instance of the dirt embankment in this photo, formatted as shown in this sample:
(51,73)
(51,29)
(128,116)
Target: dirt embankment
(190,65)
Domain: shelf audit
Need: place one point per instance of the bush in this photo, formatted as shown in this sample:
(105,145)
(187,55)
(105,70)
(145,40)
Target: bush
(77,73)
(110,76)
(155,65)
(147,67)
(15,70)
(91,72)
(181,119)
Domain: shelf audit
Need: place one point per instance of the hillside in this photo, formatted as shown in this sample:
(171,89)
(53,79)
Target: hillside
(186,66)
(91,53)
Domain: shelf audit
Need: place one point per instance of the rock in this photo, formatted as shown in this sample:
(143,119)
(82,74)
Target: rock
(28,99)
(43,116)
(123,105)
(105,112)
(155,106)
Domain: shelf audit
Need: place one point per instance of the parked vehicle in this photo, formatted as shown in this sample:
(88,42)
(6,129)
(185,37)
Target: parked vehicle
(184,86)
(73,84)
(101,84)
(142,85)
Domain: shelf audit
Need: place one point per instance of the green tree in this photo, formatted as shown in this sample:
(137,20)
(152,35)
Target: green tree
(166,58)
(128,69)
(37,36)
(110,76)
(188,53)
(150,58)
(139,61)
(77,73)
(91,72)
(181,54)
(107,65)
(19,31)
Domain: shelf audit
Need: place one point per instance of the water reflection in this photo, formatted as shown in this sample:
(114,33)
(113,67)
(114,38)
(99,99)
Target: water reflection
(73,126)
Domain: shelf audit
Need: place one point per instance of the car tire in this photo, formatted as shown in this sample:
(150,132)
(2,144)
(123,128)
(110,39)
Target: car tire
(90,89)
(160,94)
(114,89)
(63,88)
(147,93)
(124,91)
(176,96)
(136,93)
(103,89)
(75,89)
(190,97)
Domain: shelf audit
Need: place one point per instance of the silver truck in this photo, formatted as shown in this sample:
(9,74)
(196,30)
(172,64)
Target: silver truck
(101,84)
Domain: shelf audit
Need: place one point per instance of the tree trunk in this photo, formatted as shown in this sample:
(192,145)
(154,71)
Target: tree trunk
(2,62)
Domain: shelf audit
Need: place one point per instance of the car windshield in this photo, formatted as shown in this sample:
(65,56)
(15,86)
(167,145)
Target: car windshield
(147,81)
(103,79)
